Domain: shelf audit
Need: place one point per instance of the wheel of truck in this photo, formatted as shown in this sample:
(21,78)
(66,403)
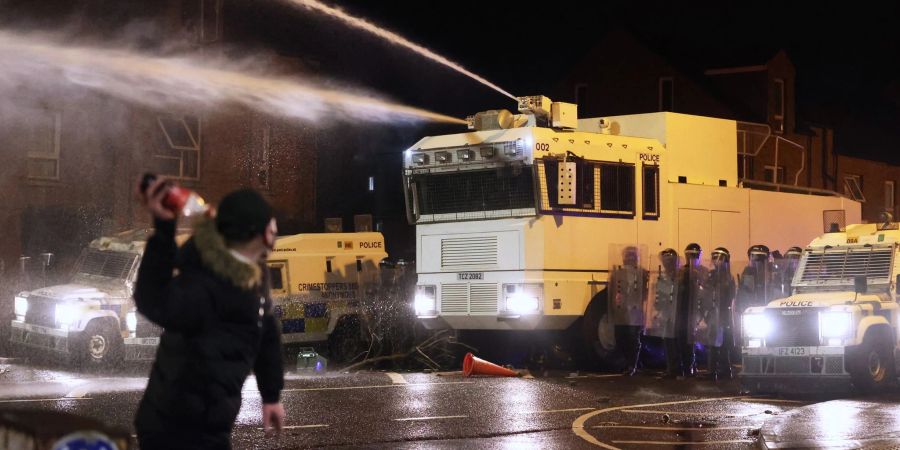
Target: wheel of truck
(346,341)
(597,333)
(872,368)
(100,345)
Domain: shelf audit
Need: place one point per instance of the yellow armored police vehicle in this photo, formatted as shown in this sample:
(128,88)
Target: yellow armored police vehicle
(840,323)
(318,281)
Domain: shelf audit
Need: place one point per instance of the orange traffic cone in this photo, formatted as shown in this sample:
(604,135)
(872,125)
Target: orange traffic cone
(473,365)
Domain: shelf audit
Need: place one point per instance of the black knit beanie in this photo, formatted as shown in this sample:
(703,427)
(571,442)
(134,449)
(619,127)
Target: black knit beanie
(242,215)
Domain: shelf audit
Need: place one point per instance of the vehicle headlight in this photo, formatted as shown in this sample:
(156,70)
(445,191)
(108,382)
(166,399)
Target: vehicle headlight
(21,306)
(425,301)
(522,304)
(66,314)
(522,298)
(757,326)
(131,321)
(835,324)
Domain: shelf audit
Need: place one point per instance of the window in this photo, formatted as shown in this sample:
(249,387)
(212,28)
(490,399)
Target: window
(853,187)
(666,94)
(745,167)
(328,266)
(889,199)
(371,184)
(617,189)
(584,183)
(210,20)
(180,155)
(650,178)
(41,140)
(774,174)
(275,274)
(581,90)
(778,105)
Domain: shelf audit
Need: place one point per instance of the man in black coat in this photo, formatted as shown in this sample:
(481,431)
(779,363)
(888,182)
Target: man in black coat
(212,299)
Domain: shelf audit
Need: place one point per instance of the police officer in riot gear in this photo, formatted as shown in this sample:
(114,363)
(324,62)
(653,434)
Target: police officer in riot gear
(791,263)
(755,282)
(629,283)
(665,307)
(716,315)
(690,287)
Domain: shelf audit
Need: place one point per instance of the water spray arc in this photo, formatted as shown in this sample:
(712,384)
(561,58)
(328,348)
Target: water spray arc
(395,39)
(40,63)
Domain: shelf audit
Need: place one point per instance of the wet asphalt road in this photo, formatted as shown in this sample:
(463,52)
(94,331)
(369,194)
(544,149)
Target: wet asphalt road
(416,410)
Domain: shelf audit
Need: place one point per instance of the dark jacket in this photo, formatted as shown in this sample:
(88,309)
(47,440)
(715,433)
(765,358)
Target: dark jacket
(218,323)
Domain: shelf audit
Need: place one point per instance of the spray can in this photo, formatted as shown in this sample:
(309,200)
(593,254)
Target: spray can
(178,199)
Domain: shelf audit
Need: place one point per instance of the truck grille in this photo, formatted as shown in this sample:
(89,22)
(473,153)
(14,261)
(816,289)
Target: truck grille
(481,251)
(465,298)
(41,312)
(794,327)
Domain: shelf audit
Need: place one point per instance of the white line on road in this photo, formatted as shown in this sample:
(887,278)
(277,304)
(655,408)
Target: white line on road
(679,444)
(558,410)
(636,427)
(407,419)
(295,427)
(79,392)
(680,413)
(375,386)
(396,378)
(27,400)
(773,400)
(608,375)
(578,424)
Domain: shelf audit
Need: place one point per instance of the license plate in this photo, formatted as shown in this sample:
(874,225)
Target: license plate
(792,351)
(470,276)
(147,341)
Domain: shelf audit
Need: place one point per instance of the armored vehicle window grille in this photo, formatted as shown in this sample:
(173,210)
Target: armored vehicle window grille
(475,194)
(106,264)
(612,196)
(840,266)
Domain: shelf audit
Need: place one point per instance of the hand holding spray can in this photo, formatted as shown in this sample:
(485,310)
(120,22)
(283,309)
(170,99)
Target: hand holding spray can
(177,199)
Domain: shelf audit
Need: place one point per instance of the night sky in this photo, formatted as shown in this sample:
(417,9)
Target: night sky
(845,53)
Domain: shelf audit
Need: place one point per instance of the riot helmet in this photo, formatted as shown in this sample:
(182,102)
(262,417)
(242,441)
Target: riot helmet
(692,254)
(630,256)
(758,253)
(669,259)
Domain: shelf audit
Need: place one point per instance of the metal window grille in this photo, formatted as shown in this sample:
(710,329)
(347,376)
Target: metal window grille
(476,194)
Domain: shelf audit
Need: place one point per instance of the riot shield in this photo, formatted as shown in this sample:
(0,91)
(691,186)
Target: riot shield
(663,297)
(627,285)
(715,305)
(692,291)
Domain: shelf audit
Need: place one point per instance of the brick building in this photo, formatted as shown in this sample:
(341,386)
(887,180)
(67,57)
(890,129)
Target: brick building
(68,163)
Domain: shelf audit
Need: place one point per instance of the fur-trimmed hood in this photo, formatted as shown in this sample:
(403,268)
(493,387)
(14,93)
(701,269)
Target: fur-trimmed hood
(217,258)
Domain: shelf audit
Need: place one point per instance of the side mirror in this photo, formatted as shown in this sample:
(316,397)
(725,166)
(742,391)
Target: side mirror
(860,284)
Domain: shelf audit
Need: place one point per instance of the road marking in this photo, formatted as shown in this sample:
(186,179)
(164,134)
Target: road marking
(636,427)
(79,392)
(680,443)
(608,375)
(26,400)
(578,424)
(396,378)
(379,386)
(680,413)
(295,427)
(774,400)
(558,410)
(407,419)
